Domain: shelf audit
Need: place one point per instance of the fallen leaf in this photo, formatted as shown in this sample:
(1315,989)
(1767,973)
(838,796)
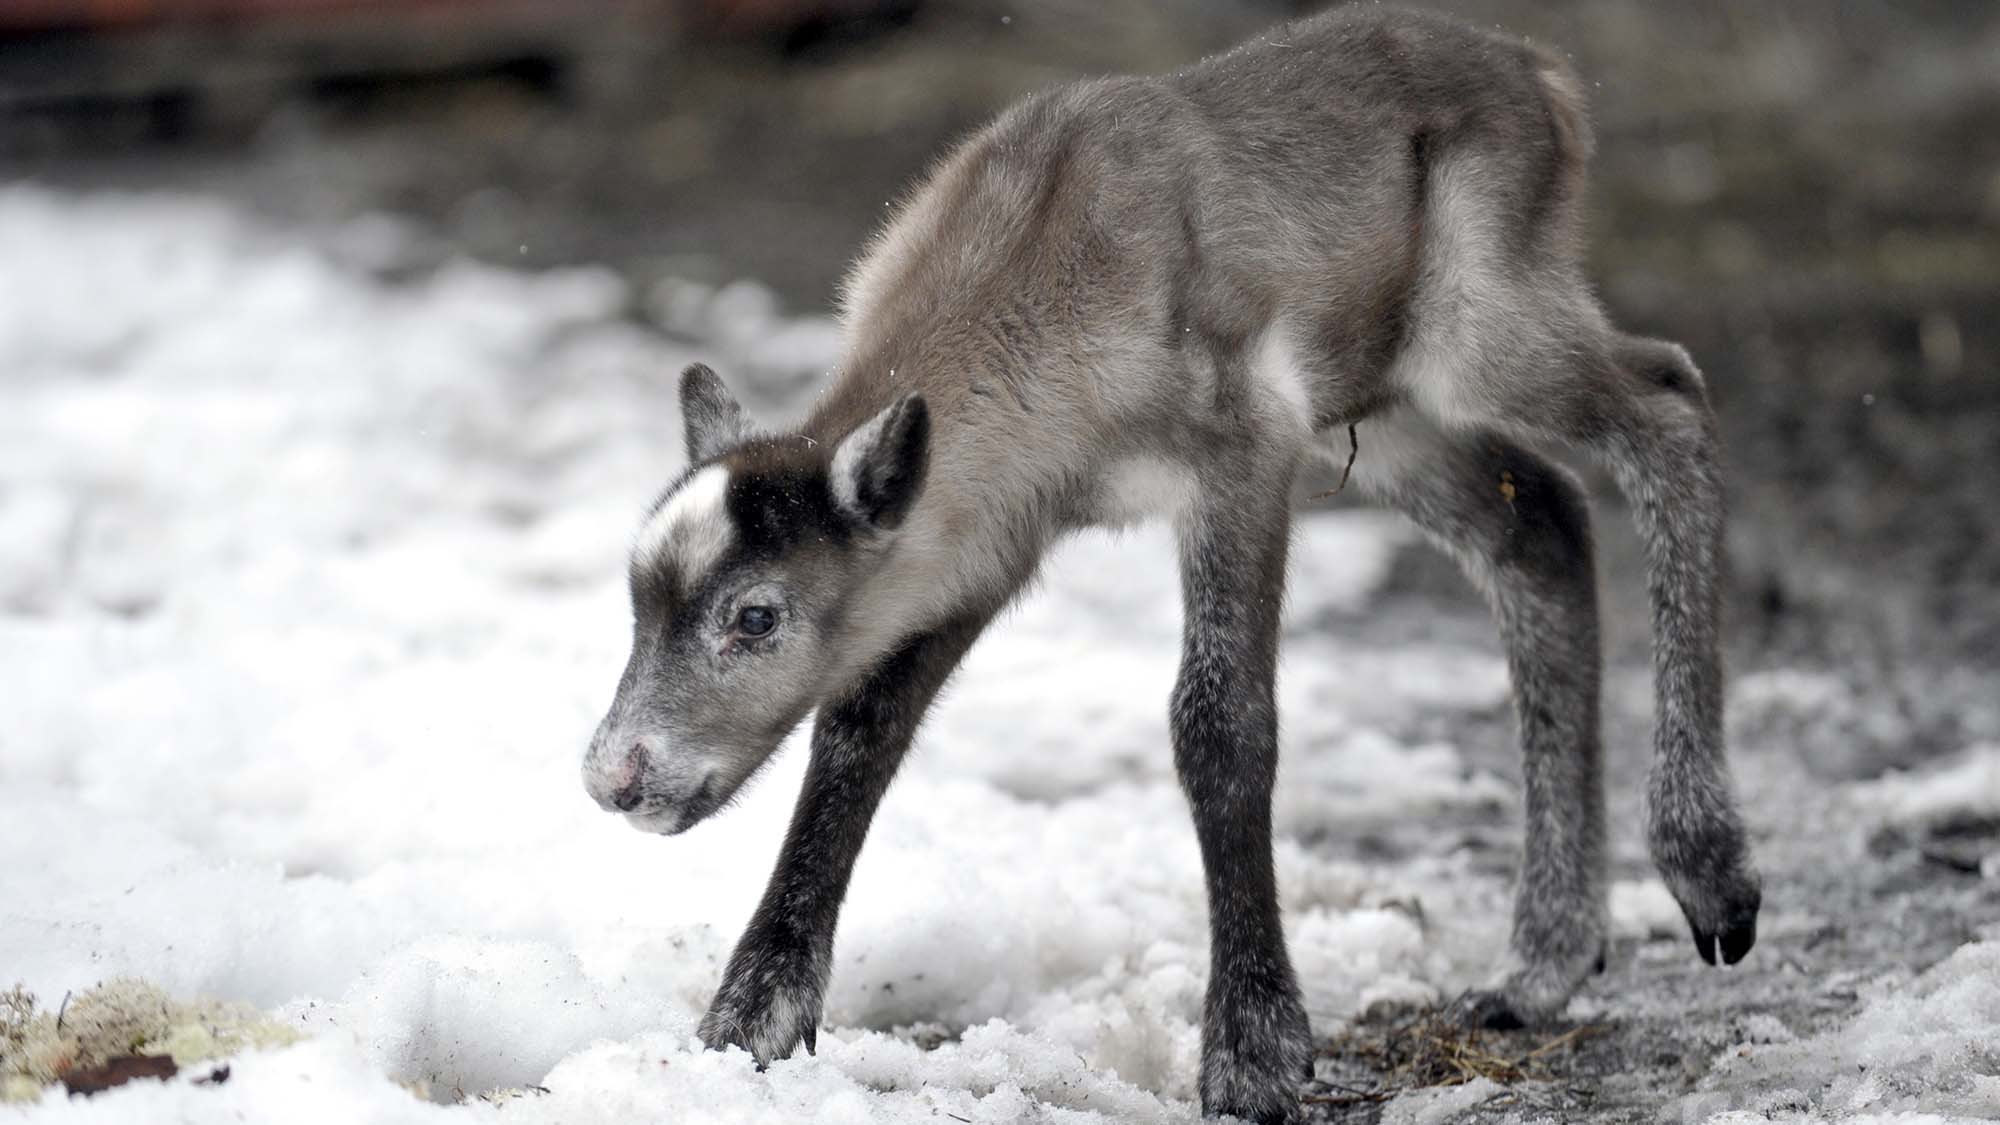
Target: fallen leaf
(117,1072)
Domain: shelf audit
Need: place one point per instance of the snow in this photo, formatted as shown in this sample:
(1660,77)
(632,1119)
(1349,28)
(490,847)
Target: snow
(311,591)
(1925,1046)
(1962,788)
(1442,1105)
(1643,908)
(314,591)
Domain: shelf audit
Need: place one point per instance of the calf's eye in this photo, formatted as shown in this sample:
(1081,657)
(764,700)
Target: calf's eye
(756,620)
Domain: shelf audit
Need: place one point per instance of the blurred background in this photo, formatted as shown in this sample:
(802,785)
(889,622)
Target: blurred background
(1807,194)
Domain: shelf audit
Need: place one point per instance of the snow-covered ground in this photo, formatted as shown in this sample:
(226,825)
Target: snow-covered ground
(311,591)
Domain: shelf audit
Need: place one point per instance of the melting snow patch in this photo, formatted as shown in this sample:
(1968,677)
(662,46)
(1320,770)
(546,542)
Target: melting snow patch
(311,592)
(1645,909)
(1963,788)
(1928,1045)
(1953,806)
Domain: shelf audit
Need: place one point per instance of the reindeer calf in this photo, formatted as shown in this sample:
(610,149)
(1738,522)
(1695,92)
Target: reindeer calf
(1141,297)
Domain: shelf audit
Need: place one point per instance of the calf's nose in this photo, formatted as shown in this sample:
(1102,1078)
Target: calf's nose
(630,774)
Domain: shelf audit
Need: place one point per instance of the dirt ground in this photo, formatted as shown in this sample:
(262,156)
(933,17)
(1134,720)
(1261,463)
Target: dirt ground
(1807,195)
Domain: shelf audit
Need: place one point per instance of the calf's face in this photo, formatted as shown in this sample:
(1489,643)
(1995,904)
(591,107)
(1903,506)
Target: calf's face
(743,583)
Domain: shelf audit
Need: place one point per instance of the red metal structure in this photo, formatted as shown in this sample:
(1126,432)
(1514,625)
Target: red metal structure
(62,52)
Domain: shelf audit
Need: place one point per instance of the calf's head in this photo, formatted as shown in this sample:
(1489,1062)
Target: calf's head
(744,583)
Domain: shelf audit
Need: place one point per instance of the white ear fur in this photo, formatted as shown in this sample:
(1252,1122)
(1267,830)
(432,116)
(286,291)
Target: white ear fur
(846,464)
(878,469)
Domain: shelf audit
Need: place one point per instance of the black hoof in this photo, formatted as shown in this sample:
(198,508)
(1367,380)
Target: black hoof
(1734,940)
(1704,942)
(1737,939)
(1490,1011)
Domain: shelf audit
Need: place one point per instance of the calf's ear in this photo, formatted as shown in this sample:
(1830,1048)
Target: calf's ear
(714,422)
(878,470)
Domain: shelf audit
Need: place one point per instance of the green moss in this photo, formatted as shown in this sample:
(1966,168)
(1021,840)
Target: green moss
(120,1017)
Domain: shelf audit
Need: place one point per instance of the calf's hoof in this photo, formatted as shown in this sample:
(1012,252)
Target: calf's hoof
(1535,993)
(1256,1053)
(1720,898)
(1737,932)
(1698,844)
(769,1024)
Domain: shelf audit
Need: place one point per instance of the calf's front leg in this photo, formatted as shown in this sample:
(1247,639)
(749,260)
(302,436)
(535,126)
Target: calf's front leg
(772,990)
(1256,1045)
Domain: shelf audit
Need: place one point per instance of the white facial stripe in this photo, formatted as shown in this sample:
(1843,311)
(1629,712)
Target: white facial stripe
(691,530)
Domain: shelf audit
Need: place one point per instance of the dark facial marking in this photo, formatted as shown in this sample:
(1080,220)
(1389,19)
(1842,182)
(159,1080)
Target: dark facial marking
(779,496)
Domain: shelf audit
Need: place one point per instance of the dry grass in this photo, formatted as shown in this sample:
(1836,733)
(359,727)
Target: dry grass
(1435,1048)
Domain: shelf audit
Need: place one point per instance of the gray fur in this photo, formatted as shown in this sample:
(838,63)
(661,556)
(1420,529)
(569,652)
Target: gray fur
(712,419)
(1140,296)
(1519,526)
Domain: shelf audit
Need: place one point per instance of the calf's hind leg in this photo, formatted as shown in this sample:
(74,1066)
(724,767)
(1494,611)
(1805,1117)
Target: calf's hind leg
(1658,435)
(1642,406)
(1255,1042)
(1519,526)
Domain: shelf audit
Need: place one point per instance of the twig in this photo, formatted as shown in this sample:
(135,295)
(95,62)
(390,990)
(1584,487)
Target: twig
(1353,451)
(1354,1097)
(61,1009)
(1573,1033)
(1350,1094)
